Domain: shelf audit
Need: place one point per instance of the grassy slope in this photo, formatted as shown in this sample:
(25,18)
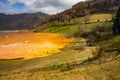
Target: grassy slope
(101,17)
(113,42)
(72,29)
(111,47)
(106,71)
(93,18)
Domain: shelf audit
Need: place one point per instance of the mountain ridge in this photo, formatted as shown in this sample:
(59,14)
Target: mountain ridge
(86,8)
(20,21)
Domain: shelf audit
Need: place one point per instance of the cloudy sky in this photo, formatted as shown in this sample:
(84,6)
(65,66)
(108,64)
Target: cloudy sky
(31,6)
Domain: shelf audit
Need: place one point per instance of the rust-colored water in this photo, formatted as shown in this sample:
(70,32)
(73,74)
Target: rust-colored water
(31,45)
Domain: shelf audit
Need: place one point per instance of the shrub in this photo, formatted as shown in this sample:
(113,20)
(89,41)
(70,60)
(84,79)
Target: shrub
(116,25)
(82,32)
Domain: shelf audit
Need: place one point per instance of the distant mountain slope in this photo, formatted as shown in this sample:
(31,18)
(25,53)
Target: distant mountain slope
(20,21)
(86,8)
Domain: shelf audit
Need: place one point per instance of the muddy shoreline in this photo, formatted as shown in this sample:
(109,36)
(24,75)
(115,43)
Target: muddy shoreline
(9,32)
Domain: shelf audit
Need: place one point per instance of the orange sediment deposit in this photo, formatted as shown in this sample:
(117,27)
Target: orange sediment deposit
(31,45)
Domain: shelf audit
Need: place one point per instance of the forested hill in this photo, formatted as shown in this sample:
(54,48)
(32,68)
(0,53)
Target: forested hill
(86,8)
(21,21)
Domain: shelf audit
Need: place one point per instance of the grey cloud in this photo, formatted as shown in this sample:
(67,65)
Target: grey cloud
(46,6)
(48,3)
(57,5)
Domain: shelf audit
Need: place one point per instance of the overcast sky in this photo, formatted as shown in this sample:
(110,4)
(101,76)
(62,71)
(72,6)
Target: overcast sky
(31,6)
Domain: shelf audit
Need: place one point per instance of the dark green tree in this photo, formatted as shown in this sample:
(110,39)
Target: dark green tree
(116,25)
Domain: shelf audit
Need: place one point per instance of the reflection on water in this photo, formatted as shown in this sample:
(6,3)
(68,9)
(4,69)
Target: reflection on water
(31,45)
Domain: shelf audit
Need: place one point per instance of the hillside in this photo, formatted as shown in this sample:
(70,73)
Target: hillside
(86,8)
(20,21)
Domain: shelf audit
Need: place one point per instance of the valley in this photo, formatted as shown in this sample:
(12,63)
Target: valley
(79,43)
(55,52)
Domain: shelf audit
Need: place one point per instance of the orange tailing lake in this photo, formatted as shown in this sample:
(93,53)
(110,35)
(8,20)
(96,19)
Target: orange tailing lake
(31,45)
